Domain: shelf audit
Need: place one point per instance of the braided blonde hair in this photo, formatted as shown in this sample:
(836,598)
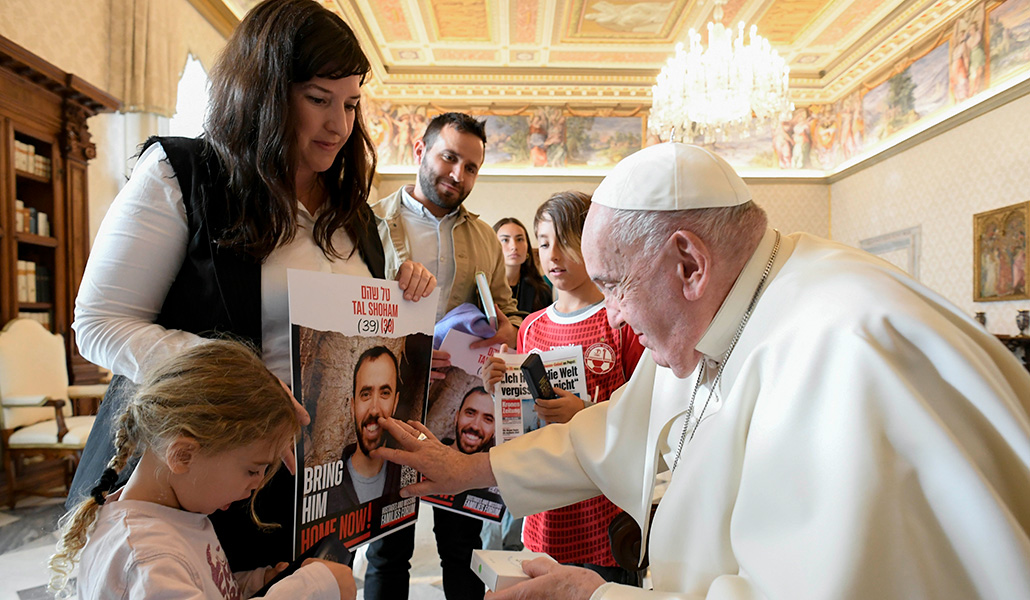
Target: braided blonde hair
(218,393)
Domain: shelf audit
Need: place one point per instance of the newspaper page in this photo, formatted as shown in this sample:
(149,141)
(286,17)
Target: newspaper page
(461,414)
(359,352)
(512,400)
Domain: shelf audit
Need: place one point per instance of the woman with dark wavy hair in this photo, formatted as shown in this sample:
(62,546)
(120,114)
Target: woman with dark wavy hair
(198,241)
(528,288)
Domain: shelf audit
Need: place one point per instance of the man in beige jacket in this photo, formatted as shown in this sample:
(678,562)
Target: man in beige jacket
(427,222)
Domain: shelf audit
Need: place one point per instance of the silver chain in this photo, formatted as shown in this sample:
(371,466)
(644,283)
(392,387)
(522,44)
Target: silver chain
(725,358)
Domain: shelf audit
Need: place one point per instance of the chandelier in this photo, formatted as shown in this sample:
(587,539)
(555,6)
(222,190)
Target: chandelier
(722,92)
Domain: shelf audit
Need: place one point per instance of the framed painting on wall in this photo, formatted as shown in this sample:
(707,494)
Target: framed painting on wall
(1000,270)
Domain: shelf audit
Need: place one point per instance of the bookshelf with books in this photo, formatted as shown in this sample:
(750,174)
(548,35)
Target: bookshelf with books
(44,228)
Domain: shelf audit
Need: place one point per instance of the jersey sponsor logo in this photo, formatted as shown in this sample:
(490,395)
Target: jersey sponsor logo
(600,358)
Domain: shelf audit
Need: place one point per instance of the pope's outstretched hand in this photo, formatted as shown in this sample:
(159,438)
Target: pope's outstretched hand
(445,470)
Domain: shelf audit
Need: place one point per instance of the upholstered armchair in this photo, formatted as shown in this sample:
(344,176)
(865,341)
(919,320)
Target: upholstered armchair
(36,419)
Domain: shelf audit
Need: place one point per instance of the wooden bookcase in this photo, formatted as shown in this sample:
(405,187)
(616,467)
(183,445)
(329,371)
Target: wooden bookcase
(46,109)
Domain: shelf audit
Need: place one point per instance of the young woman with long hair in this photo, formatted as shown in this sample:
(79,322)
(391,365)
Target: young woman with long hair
(528,288)
(200,238)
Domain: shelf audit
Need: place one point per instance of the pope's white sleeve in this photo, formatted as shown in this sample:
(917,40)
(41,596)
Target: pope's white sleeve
(541,470)
(136,256)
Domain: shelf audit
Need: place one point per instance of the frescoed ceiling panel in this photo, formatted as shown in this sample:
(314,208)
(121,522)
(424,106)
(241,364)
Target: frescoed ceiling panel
(607,52)
(459,20)
(649,21)
(785,21)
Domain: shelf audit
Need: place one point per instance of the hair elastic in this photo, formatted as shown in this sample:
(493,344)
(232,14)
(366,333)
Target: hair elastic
(106,484)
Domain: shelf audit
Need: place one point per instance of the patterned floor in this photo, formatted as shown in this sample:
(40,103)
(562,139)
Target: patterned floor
(27,540)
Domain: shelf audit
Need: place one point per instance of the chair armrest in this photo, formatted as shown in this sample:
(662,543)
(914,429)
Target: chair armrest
(86,399)
(62,427)
(33,400)
(87,391)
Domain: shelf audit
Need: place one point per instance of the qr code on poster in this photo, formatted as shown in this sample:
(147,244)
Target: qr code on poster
(408,476)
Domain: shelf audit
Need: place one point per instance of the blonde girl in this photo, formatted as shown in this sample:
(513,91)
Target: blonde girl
(210,426)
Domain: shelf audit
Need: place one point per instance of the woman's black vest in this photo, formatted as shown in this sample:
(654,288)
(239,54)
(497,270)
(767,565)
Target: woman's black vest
(218,289)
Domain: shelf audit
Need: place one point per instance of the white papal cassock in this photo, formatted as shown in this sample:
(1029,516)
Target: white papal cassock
(867,440)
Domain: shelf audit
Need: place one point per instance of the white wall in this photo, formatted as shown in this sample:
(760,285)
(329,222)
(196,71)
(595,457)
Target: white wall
(978,166)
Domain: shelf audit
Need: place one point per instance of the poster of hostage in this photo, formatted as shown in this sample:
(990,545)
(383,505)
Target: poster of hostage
(461,414)
(359,352)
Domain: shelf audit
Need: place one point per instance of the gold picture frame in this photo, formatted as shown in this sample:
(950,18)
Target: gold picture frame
(1000,267)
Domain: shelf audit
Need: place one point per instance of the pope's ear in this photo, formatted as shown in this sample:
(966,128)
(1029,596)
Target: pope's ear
(180,454)
(693,261)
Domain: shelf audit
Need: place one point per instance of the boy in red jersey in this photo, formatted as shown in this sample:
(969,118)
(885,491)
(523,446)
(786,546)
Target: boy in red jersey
(576,534)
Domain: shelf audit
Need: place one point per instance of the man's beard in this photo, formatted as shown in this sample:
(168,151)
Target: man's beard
(470,429)
(371,419)
(427,179)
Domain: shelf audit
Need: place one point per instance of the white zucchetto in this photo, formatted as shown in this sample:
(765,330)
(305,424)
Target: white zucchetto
(671,176)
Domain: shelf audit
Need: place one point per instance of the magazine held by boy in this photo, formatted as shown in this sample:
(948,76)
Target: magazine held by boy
(514,401)
(359,352)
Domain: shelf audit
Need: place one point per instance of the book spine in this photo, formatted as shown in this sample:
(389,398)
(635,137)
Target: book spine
(23,281)
(43,224)
(31,282)
(43,289)
(19,216)
(21,156)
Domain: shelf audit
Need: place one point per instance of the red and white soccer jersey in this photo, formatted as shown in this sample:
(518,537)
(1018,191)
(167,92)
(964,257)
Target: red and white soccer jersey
(579,533)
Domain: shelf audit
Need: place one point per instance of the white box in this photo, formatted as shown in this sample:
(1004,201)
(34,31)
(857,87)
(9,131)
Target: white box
(501,569)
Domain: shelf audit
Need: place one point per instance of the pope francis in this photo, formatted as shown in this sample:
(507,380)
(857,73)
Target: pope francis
(833,428)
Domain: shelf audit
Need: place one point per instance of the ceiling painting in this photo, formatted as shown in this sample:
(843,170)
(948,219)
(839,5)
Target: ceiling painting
(607,52)
(855,19)
(391,20)
(459,20)
(616,20)
(786,20)
(525,21)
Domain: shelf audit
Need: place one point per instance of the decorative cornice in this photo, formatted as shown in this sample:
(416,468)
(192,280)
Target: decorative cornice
(76,141)
(218,14)
(40,72)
